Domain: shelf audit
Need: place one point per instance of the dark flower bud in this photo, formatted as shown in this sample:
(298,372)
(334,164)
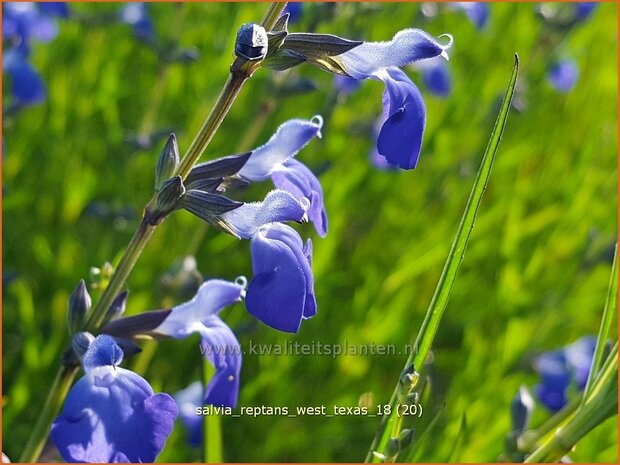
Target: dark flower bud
(405,438)
(168,161)
(392,448)
(79,304)
(521,409)
(251,42)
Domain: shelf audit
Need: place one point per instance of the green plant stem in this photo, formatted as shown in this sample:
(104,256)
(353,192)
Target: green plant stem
(530,442)
(211,424)
(611,306)
(240,72)
(438,304)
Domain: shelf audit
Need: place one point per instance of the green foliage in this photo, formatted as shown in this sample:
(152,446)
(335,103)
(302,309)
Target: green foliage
(534,277)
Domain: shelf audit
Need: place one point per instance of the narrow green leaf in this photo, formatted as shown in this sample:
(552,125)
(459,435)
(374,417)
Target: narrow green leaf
(611,306)
(439,302)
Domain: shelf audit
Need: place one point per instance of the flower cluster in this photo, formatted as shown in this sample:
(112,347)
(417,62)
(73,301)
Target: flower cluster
(112,414)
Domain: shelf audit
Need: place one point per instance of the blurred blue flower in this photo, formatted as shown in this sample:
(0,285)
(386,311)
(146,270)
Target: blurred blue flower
(111,414)
(281,293)
(136,14)
(583,10)
(27,86)
(219,344)
(295,10)
(60,9)
(436,76)
(477,12)
(400,138)
(563,75)
(188,400)
(23,22)
(561,368)
(345,85)
(275,160)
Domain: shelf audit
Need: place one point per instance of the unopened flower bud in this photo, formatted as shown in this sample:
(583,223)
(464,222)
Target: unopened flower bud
(79,304)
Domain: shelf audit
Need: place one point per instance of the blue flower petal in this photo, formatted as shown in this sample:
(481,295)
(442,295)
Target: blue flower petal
(103,351)
(278,205)
(289,139)
(212,296)
(303,254)
(406,47)
(224,352)
(112,414)
(400,137)
(563,75)
(296,178)
(277,293)
(220,345)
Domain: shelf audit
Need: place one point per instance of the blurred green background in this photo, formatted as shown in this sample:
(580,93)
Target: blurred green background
(534,277)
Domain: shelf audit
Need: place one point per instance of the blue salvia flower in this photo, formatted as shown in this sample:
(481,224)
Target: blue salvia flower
(219,344)
(188,400)
(275,160)
(477,12)
(281,292)
(111,414)
(136,14)
(400,138)
(563,75)
(561,368)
